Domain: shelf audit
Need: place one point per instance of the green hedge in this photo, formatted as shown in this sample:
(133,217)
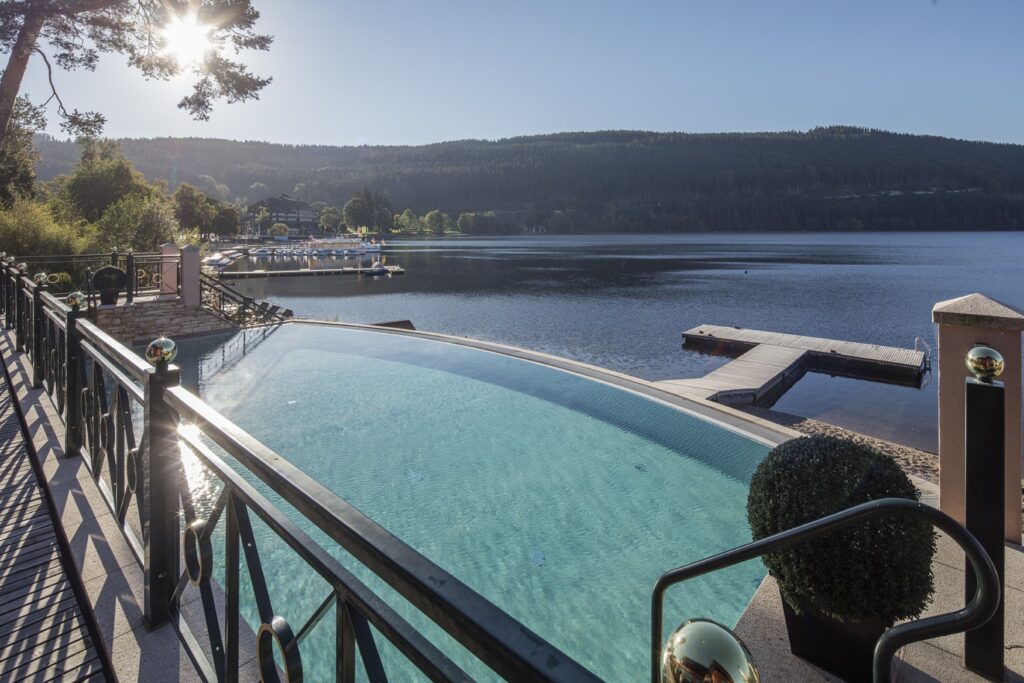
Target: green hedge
(881,568)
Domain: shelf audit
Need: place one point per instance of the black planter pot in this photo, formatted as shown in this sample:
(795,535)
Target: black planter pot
(108,297)
(843,649)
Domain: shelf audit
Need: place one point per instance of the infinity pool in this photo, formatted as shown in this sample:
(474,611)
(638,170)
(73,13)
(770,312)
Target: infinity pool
(559,498)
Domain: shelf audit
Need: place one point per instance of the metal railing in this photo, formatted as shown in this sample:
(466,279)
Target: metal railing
(145,273)
(979,610)
(129,421)
(235,307)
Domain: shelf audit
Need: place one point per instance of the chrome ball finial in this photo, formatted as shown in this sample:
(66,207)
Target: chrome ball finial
(39,278)
(162,350)
(75,299)
(22,266)
(985,363)
(704,650)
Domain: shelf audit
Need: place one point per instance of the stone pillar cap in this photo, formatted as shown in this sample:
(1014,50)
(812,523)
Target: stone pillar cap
(978,310)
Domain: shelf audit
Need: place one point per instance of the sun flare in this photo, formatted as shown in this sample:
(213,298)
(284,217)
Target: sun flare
(186,39)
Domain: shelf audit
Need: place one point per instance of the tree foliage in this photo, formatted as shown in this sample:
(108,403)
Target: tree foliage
(28,228)
(72,34)
(278,230)
(632,181)
(137,222)
(357,214)
(97,183)
(18,158)
(331,219)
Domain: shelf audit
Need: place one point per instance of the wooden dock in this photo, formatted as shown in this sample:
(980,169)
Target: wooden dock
(44,631)
(771,362)
(302,272)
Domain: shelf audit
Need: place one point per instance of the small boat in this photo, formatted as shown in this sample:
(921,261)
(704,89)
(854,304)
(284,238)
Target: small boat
(376,269)
(262,252)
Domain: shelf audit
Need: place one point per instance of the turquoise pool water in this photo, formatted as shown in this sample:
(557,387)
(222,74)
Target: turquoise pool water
(559,498)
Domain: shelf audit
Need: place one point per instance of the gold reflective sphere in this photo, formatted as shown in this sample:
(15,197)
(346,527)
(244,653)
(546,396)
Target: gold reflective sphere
(985,363)
(162,350)
(704,651)
(75,299)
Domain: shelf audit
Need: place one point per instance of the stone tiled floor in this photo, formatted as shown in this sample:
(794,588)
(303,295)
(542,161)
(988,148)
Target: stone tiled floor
(763,629)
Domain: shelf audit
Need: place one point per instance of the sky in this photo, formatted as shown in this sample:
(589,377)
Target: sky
(420,71)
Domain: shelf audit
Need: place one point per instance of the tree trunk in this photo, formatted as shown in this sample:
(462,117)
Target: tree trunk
(10,84)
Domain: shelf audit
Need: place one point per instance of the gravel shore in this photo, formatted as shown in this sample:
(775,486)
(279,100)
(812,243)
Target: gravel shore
(913,461)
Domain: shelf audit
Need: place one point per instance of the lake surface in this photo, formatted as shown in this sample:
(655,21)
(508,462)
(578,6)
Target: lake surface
(622,301)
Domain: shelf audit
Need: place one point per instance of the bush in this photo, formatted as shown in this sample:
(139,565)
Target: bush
(140,222)
(881,568)
(28,228)
(59,282)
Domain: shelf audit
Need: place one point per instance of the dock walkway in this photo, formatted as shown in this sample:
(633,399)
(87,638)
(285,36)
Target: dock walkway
(45,635)
(306,272)
(771,362)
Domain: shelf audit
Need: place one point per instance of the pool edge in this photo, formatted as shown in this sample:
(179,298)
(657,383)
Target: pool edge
(750,426)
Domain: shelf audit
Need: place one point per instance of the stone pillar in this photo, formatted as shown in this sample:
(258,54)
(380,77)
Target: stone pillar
(190,275)
(963,323)
(168,270)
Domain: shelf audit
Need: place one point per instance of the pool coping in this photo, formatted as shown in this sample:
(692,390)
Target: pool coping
(750,426)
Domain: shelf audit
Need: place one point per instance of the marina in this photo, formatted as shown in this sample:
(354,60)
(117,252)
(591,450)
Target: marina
(307,272)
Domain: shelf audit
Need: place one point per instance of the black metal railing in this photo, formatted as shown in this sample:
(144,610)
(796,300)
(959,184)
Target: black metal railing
(978,611)
(133,423)
(235,307)
(146,273)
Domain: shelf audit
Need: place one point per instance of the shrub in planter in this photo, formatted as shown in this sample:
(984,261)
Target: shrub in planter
(841,591)
(109,281)
(59,282)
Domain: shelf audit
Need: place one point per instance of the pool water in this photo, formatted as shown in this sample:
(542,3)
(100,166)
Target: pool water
(558,498)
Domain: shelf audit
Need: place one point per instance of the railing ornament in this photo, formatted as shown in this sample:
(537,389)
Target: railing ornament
(278,633)
(701,649)
(161,351)
(75,299)
(197,550)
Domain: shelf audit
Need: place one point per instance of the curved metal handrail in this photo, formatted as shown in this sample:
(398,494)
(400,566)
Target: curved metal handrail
(976,613)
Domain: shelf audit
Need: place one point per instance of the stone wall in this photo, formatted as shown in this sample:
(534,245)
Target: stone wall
(145,319)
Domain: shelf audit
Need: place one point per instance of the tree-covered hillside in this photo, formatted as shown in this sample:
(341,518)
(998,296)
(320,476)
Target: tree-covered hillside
(836,178)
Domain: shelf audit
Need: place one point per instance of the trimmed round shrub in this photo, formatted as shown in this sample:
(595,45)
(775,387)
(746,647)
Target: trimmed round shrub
(881,568)
(109,278)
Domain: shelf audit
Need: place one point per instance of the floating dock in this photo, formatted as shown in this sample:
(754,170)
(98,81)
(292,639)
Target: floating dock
(771,362)
(302,272)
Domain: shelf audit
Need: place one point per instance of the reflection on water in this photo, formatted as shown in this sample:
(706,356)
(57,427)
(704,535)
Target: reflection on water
(622,301)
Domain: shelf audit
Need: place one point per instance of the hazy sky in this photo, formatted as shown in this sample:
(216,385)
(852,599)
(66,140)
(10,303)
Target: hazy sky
(417,71)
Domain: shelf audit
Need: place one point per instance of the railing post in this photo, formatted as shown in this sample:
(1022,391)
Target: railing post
(985,516)
(73,384)
(160,492)
(38,330)
(132,281)
(19,314)
(5,279)
(113,257)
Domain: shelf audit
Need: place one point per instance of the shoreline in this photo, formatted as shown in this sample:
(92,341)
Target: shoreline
(914,461)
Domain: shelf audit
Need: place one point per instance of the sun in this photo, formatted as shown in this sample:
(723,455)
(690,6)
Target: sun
(186,39)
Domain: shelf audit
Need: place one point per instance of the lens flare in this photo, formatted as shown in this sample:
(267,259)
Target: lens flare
(186,40)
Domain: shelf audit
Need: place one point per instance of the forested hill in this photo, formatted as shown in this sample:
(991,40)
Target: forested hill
(837,178)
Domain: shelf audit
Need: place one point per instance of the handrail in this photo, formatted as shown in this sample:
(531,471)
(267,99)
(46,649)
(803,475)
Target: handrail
(243,310)
(98,387)
(514,652)
(982,606)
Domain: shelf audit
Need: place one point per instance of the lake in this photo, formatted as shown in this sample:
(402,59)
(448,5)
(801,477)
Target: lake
(622,301)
